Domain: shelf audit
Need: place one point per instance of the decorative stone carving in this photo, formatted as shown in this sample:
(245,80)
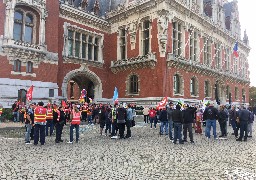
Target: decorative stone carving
(133,31)
(162,34)
(146,61)
(197,67)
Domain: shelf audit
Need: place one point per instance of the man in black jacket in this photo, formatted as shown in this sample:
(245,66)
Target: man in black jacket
(244,116)
(177,120)
(188,117)
(164,121)
(210,116)
(121,119)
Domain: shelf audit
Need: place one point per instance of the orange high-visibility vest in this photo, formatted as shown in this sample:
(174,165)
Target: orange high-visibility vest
(40,114)
(49,115)
(76,118)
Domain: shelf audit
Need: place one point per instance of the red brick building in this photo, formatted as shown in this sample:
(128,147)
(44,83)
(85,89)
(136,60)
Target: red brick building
(148,49)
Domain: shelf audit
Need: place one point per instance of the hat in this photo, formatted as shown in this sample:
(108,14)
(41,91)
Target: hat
(41,103)
(171,103)
(178,107)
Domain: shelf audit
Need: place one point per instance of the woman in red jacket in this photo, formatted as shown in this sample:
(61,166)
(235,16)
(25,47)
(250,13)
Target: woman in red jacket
(152,117)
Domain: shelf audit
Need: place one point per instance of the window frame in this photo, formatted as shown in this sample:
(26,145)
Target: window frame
(17,65)
(123,43)
(193,46)
(24,25)
(29,67)
(217,55)
(146,37)
(133,84)
(207,88)
(207,51)
(177,38)
(176,84)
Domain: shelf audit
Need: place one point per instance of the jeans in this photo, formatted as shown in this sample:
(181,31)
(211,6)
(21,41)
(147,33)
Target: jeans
(152,120)
(164,125)
(209,124)
(89,119)
(39,129)
(108,128)
(28,131)
(170,129)
(49,123)
(177,132)
(146,118)
(128,126)
(187,128)
(14,116)
(250,129)
(243,130)
(59,129)
(233,124)
(223,126)
(114,128)
(121,128)
(72,126)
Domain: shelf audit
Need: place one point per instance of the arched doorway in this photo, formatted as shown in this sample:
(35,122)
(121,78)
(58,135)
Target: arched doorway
(79,79)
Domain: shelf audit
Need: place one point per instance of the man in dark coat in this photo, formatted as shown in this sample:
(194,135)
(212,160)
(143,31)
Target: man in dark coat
(188,119)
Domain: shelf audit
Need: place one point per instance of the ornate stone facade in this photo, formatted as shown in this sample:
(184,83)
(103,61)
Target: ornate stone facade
(135,45)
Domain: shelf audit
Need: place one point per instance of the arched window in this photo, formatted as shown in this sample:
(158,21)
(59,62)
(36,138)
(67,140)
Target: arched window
(243,95)
(236,93)
(29,67)
(227,91)
(207,89)
(193,88)
(17,66)
(24,24)
(134,84)
(176,84)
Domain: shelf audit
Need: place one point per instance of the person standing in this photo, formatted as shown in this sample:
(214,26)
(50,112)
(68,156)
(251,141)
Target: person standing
(232,118)
(129,119)
(59,124)
(49,120)
(152,117)
(250,123)
(244,116)
(29,121)
(164,121)
(223,121)
(177,122)
(75,122)
(102,118)
(40,122)
(108,118)
(210,115)
(145,113)
(114,122)
(121,119)
(169,116)
(188,119)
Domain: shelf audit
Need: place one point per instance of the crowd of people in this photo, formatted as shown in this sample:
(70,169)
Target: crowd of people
(175,120)
(41,121)
(178,121)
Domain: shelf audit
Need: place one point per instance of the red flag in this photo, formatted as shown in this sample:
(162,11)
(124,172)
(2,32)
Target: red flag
(63,103)
(29,93)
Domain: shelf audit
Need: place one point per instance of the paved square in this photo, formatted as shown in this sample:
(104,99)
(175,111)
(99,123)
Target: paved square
(145,156)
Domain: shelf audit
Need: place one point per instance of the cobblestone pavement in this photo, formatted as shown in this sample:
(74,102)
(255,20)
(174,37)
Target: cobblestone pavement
(145,156)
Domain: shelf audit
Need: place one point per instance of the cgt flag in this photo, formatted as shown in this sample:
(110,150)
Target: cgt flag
(29,93)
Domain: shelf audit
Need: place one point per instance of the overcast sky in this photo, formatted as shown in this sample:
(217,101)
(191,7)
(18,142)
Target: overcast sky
(246,13)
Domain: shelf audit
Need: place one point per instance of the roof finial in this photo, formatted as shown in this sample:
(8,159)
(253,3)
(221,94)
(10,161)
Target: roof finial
(245,38)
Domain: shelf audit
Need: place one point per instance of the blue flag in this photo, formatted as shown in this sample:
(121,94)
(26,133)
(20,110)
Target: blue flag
(115,97)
